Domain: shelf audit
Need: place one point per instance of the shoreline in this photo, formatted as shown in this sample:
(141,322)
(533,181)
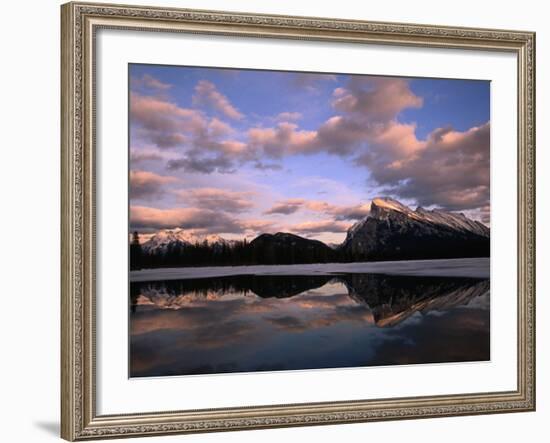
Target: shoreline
(478,267)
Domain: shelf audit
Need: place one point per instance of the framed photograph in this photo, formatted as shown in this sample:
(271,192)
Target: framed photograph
(282,221)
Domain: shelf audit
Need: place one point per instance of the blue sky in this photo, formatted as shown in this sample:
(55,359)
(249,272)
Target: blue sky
(239,152)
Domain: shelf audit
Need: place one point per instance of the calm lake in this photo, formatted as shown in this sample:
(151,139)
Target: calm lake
(245,323)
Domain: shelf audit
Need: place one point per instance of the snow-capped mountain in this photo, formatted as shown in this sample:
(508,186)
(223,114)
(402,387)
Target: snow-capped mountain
(164,239)
(394,231)
(454,221)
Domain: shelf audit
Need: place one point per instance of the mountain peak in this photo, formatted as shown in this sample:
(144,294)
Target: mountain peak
(393,230)
(381,207)
(389,203)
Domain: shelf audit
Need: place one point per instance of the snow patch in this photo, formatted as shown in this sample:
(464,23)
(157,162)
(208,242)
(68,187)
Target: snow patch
(460,267)
(391,204)
(160,241)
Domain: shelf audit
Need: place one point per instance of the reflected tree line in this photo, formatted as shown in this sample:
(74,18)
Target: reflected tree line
(392,298)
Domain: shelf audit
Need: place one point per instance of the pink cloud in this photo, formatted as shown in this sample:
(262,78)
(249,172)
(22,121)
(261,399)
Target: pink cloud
(340,135)
(398,139)
(206,94)
(286,207)
(284,139)
(376,98)
(218,199)
(168,125)
(202,220)
(258,226)
(156,114)
(140,156)
(232,147)
(315,227)
(150,82)
(144,184)
(449,169)
(292,205)
(217,128)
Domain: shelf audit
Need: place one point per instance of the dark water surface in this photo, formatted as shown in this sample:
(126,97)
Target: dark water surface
(263,323)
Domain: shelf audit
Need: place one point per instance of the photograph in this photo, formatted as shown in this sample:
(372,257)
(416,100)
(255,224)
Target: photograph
(287,217)
(284,220)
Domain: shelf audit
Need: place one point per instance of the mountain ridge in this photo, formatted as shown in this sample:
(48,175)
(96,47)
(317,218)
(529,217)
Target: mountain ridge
(394,231)
(163,239)
(391,231)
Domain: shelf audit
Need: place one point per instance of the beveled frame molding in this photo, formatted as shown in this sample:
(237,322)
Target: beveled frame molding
(79,22)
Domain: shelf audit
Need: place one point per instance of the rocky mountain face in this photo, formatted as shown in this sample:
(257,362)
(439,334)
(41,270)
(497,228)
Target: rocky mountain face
(393,231)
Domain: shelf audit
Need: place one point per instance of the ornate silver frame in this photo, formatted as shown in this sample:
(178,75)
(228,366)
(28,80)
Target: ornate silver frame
(80,21)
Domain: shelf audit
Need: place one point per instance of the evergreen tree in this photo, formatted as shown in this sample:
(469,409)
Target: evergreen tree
(136,254)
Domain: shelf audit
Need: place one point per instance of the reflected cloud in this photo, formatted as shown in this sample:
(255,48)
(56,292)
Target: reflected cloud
(253,322)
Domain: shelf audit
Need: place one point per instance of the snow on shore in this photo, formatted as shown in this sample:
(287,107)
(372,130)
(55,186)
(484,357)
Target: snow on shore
(460,267)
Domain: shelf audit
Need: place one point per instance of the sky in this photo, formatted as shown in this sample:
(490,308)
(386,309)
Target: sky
(240,152)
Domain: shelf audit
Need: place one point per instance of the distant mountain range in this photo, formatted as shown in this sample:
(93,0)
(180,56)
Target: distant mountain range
(391,231)
(166,239)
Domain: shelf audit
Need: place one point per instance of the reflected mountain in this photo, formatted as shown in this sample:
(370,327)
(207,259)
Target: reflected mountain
(275,322)
(391,299)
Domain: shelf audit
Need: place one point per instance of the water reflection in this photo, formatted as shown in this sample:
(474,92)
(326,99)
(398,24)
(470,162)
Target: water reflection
(259,322)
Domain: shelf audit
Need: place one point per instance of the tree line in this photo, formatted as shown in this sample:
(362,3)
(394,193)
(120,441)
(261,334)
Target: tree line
(236,253)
